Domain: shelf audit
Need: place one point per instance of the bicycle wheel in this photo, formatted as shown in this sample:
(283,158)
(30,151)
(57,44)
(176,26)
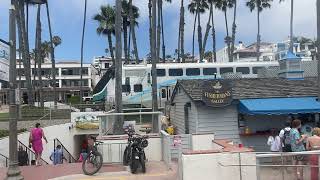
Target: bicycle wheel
(92,163)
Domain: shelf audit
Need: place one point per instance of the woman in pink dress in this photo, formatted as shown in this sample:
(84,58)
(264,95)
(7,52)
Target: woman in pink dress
(35,139)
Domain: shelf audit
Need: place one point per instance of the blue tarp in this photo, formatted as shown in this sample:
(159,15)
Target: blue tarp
(278,106)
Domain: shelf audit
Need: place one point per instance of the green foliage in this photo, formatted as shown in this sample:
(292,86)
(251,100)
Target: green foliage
(5,133)
(74,100)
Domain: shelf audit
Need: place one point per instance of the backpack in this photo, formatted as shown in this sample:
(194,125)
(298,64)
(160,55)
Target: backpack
(286,141)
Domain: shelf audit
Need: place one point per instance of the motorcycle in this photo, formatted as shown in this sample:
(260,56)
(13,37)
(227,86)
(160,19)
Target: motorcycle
(127,152)
(138,156)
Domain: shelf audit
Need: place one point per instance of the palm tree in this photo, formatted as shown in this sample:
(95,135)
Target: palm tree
(53,61)
(291,26)
(125,23)
(210,20)
(37,59)
(133,15)
(259,5)
(154,64)
(224,5)
(82,44)
(234,27)
(318,45)
(198,7)
(150,24)
(117,127)
(162,31)
(181,32)
(19,5)
(106,19)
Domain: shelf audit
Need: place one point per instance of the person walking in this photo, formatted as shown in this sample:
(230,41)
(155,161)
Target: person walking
(57,155)
(313,144)
(297,145)
(35,141)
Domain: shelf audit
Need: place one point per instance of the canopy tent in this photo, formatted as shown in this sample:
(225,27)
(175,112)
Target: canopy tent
(278,106)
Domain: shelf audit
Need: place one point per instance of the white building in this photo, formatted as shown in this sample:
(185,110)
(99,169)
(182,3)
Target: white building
(268,52)
(4,64)
(68,79)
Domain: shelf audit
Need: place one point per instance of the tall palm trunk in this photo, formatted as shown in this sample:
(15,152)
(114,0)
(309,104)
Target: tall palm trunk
(159,30)
(214,53)
(133,33)
(179,43)
(258,35)
(53,61)
(182,32)
(82,43)
(291,28)
(194,34)
(207,30)
(117,127)
(25,55)
(38,56)
(154,66)
(150,25)
(318,45)
(199,33)
(227,38)
(234,27)
(109,36)
(125,38)
(162,33)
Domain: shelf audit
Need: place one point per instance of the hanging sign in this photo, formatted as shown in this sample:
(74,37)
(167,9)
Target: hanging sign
(217,93)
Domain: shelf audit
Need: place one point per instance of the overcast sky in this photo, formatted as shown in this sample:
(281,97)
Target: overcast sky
(67,18)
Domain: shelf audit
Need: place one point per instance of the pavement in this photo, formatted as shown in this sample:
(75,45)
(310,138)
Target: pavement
(155,171)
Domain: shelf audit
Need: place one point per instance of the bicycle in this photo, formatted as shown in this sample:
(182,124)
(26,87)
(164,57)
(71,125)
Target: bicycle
(94,160)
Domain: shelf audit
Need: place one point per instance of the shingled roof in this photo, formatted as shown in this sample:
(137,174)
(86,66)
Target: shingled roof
(257,88)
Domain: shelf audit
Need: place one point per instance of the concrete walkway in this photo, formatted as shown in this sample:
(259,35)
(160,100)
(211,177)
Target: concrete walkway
(155,171)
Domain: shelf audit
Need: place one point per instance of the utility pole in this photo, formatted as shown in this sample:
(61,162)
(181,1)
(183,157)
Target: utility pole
(118,70)
(13,171)
(154,59)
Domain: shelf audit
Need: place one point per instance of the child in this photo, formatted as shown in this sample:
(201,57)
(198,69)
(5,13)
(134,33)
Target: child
(274,141)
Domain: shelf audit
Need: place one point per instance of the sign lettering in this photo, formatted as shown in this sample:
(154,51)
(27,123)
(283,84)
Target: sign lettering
(217,93)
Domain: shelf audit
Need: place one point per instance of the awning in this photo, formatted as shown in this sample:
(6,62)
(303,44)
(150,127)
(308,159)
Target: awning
(278,106)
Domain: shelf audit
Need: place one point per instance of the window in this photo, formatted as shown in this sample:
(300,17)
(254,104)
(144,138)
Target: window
(175,72)
(161,72)
(137,88)
(193,72)
(209,71)
(226,70)
(163,93)
(255,70)
(243,70)
(126,88)
(106,65)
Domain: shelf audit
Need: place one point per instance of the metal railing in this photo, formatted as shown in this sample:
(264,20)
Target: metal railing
(277,165)
(112,152)
(31,154)
(4,162)
(66,154)
(140,118)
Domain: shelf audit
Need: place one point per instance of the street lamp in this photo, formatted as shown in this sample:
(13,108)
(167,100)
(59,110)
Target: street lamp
(13,170)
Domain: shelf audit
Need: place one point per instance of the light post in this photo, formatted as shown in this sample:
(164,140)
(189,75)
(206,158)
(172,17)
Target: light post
(13,170)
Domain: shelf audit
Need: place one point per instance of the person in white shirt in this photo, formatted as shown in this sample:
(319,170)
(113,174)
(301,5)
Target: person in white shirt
(274,141)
